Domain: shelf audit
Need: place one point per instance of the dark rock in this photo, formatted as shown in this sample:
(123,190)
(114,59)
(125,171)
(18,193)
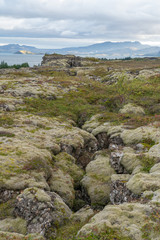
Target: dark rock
(103,140)
(40,215)
(115,161)
(6,195)
(120,193)
(116,140)
(83,155)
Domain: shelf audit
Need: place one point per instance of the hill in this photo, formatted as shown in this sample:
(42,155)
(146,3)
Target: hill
(102,50)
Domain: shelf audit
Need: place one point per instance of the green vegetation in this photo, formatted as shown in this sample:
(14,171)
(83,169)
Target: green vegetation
(153,228)
(146,162)
(16,66)
(7,208)
(69,232)
(148,143)
(6,134)
(5,120)
(94,97)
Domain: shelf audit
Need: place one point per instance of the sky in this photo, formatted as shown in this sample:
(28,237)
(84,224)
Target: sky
(68,23)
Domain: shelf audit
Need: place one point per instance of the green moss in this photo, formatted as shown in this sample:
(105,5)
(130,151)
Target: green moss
(6,209)
(3,153)
(6,134)
(5,120)
(148,143)
(146,162)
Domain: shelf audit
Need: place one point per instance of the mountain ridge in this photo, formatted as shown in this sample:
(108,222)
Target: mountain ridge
(101,50)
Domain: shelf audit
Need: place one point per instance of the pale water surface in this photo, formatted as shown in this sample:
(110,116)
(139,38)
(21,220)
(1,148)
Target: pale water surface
(11,59)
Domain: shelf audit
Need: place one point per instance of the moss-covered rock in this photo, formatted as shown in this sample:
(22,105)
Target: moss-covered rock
(97,180)
(141,182)
(138,135)
(67,164)
(130,161)
(23,165)
(129,218)
(41,210)
(132,109)
(62,183)
(82,215)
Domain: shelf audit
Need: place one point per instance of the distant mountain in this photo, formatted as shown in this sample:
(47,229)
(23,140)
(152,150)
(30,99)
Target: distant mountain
(102,50)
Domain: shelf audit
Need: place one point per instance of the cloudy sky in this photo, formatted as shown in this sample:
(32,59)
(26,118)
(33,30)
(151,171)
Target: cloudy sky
(62,23)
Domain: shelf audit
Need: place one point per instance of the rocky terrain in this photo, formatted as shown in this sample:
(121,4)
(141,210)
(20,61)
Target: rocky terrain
(80,150)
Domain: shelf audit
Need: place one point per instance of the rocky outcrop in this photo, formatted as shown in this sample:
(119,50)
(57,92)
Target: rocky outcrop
(58,60)
(41,210)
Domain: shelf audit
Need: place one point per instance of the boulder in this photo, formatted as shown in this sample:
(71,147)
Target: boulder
(141,182)
(63,184)
(41,210)
(97,180)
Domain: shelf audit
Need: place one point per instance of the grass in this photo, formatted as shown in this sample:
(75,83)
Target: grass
(93,98)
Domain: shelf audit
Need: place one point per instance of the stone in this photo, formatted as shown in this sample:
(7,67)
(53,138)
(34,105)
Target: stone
(23,165)
(154,152)
(130,161)
(91,124)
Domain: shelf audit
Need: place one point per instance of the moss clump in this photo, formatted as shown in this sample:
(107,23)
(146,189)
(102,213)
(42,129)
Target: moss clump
(6,209)
(146,163)
(148,143)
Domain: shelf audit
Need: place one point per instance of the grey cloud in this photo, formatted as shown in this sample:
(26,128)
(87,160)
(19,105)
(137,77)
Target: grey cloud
(80,19)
